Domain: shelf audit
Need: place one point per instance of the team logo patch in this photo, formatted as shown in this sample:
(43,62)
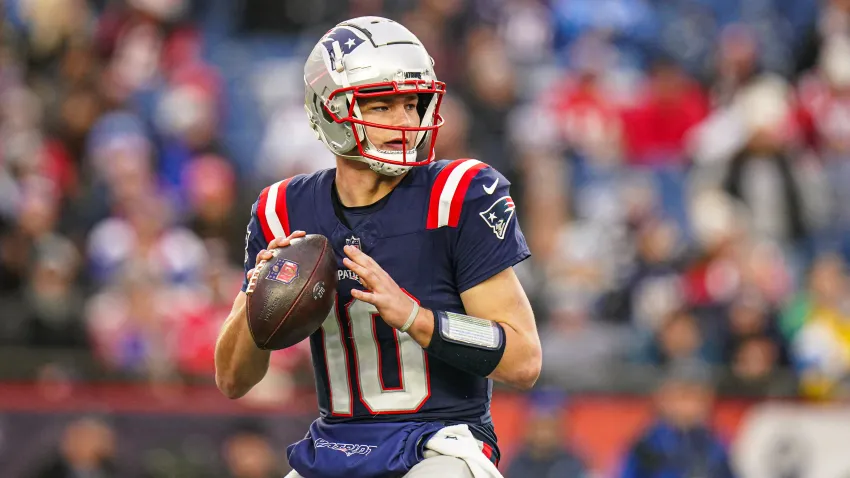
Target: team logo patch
(347,39)
(499,215)
(348,448)
(284,271)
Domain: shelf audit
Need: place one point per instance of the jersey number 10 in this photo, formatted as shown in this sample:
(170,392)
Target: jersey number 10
(412,365)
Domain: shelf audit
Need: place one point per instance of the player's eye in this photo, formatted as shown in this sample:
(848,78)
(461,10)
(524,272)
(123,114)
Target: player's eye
(379,108)
(410,106)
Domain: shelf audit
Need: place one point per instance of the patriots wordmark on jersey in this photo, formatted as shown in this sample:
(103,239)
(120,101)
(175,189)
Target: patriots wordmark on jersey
(445,228)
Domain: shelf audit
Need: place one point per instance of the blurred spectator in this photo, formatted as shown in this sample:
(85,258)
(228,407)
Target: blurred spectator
(454,141)
(762,174)
(586,113)
(824,108)
(681,442)
(579,350)
(713,276)
(817,325)
(50,24)
(736,64)
(755,372)
(147,235)
(86,449)
(211,189)
(546,452)
(248,453)
(198,321)
(750,316)
(651,288)
(54,302)
(187,117)
(768,272)
(680,339)
(289,146)
(490,93)
(129,328)
(670,105)
(35,221)
(825,98)
(833,22)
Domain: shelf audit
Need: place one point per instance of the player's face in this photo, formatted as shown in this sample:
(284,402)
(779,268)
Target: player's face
(391,110)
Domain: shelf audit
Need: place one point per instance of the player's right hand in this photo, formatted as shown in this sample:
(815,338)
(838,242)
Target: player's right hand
(266,254)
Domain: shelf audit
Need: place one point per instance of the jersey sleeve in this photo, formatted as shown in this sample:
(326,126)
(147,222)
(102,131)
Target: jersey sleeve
(269,220)
(488,238)
(255,241)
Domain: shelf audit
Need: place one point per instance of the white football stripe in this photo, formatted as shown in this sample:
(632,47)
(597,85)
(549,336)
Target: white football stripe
(449,191)
(271,215)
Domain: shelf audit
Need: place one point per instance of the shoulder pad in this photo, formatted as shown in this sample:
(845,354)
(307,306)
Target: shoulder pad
(457,182)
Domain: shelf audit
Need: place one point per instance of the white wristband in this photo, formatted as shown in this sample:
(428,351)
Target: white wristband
(411,318)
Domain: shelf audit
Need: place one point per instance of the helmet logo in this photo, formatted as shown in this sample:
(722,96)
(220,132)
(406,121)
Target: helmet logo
(346,41)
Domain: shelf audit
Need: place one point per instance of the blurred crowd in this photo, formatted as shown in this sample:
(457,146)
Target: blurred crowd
(90,446)
(680,166)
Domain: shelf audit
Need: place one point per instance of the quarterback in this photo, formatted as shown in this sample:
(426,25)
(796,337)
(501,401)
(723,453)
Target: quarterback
(428,309)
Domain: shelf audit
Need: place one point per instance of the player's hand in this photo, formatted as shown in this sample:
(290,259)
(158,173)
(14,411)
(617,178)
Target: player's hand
(266,254)
(393,304)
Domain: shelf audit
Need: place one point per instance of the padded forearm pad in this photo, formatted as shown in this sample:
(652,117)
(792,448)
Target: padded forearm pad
(471,344)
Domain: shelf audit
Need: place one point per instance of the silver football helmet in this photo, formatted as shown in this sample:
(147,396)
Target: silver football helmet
(368,57)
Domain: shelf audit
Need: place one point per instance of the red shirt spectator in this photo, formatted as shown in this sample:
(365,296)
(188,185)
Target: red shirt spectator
(670,106)
(588,120)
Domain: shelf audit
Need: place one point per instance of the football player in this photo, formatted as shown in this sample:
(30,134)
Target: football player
(428,308)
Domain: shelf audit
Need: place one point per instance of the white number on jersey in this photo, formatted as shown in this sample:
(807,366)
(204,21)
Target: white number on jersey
(378,399)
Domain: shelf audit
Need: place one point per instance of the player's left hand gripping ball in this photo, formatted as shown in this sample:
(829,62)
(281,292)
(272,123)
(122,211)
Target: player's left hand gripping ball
(393,304)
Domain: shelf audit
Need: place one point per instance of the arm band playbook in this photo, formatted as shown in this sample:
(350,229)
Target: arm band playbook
(471,344)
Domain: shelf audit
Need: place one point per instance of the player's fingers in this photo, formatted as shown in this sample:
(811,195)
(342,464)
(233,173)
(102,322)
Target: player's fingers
(263,255)
(249,274)
(364,258)
(366,276)
(284,241)
(296,235)
(361,258)
(369,297)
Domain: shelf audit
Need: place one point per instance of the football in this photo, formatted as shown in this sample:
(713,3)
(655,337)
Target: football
(290,295)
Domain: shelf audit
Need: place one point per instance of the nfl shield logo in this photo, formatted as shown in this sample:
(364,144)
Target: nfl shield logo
(284,271)
(353,241)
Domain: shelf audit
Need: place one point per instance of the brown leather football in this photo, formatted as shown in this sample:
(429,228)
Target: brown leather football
(290,295)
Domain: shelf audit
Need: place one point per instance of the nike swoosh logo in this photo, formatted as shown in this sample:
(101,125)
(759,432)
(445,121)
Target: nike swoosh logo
(492,187)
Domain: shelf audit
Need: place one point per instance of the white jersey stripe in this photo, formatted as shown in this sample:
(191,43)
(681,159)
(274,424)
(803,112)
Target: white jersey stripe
(449,190)
(271,214)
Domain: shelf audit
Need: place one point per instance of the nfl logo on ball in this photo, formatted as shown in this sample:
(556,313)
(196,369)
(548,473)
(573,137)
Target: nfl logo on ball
(284,271)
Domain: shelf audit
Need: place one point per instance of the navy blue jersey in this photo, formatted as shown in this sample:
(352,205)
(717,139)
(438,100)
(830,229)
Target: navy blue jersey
(444,229)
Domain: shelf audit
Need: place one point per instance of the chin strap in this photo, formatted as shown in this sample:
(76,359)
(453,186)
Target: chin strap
(377,166)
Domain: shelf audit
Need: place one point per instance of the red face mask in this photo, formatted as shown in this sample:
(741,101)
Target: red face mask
(429,115)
